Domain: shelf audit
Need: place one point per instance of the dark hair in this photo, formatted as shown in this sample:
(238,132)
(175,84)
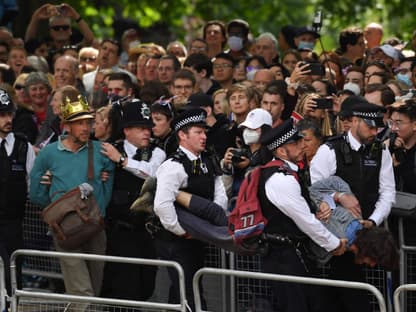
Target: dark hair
(7,75)
(152,91)
(128,84)
(222,26)
(309,123)
(377,244)
(225,56)
(289,33)
(378,64)
(175,61)
(185,74)
(257,58)
(199,61)
(276,87)
(113,41)
(387,94)
(329,87)
(354,69)
(285,72)
(349,36)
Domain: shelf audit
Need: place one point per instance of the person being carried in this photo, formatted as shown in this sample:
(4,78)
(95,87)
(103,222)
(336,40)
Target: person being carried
(205,220)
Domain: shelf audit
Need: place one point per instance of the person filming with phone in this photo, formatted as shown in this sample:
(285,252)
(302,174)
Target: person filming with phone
(60,28)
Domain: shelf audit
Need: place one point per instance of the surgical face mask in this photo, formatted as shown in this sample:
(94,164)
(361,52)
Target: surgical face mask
(305,45)
(405,79)
(250,136)
(235,43)
(353,87)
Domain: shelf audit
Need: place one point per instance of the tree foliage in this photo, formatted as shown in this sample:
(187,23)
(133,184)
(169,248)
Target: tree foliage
(184,18)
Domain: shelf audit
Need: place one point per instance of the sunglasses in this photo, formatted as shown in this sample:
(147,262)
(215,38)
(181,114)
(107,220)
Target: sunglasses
(60,27)
(19,87)
(87,59)
(165,103)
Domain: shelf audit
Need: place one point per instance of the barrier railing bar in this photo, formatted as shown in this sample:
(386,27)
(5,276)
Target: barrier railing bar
(406,287)
(3,291)
(284,278)
(93,257)
(97,300)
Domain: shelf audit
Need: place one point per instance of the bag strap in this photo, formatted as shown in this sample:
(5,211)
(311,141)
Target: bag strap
(90,160)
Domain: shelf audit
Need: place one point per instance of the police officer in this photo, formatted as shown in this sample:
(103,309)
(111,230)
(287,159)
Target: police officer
(16,162)
(366,165)
(136,159)
(286,204)
(193,170)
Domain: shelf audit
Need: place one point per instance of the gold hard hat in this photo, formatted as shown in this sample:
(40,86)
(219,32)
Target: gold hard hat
(77,110)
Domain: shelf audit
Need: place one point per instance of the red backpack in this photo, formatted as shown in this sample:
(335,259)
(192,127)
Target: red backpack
(247,222)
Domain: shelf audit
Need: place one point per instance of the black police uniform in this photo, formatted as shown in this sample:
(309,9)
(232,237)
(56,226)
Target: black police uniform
(13,195)
(189,253)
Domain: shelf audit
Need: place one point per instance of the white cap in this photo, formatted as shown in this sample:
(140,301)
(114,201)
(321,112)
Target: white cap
(389,50)
(257,118)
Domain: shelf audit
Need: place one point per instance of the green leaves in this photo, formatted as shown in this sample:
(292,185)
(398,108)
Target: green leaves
(186,16)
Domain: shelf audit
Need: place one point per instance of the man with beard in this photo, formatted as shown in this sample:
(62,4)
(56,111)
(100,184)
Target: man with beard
(16,161)
(366,165)
(63,165)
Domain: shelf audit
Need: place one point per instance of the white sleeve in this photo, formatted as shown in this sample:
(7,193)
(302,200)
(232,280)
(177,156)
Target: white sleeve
(30,160)
(144,169)
(323,164)
(387,189)
(285,193)
(220,195)
(171,176)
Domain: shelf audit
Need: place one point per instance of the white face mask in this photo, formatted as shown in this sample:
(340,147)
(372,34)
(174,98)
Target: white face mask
(250,136)
(235,43)
(353,87)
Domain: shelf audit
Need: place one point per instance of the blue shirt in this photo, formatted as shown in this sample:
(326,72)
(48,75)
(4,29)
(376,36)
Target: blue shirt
(69,169)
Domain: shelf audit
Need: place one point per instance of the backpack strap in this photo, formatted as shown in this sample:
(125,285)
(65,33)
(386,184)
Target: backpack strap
(90,160)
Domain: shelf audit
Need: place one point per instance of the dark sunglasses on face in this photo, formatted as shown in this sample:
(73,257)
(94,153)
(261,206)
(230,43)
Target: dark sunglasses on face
(87,59)
(19,87)
(60,27)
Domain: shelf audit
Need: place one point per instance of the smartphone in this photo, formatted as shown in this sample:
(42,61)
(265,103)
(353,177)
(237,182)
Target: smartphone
(317,69)
(324,103)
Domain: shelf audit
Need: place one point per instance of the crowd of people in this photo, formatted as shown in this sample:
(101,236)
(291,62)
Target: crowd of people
(200,116)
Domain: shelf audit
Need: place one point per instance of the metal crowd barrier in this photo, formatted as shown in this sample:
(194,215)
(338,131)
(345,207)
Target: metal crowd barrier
(400,289)
(3,291)
(39,298)
(283,278)
(405,264)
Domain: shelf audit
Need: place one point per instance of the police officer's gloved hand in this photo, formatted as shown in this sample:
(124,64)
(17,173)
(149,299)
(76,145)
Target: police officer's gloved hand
(144,202)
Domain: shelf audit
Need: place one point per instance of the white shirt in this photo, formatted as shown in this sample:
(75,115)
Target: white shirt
(324,164)
(171,177)
(142,168)
(30,155)
(284,192)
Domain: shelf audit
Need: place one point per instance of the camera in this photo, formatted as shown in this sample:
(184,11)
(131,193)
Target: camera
(238,153)
(317,21)
(324,103)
